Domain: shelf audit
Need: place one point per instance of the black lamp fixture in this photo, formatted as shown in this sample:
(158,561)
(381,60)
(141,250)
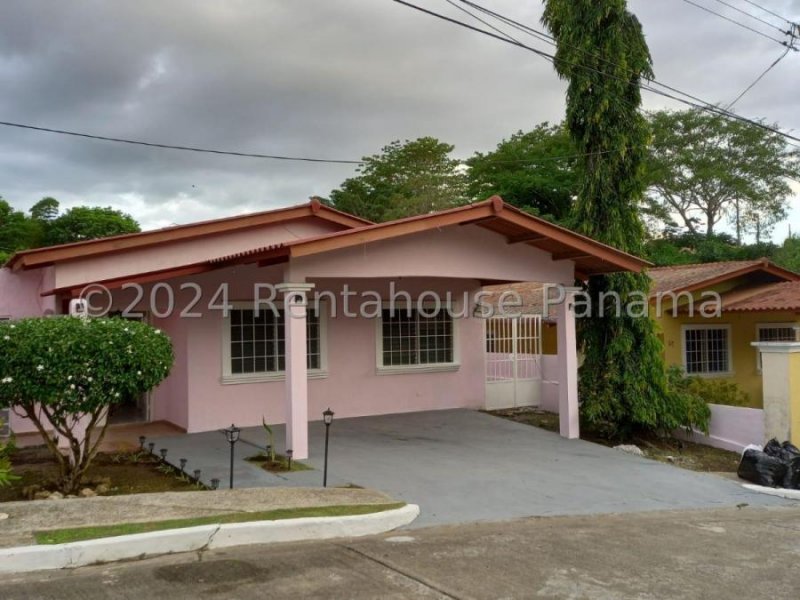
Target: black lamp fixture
(163,453)
(183,462)
(327,417)
(214,483)
(232,434)
(196,474)
(289,455)
(142,440)
(151,446)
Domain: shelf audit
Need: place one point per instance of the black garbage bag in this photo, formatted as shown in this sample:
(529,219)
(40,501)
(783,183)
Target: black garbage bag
(790,451)
(762,469)
(773,448)
(791,480)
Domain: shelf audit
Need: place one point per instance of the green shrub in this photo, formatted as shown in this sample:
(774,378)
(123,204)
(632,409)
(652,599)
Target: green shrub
(718,391)
(692,411)
(6,476)
(58,371)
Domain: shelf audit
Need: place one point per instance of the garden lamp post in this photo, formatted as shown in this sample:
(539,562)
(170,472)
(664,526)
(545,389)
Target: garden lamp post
(327,417)
(232,433)
(142,440)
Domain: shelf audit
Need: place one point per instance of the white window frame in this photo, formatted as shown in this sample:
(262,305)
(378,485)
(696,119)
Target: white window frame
(382,369)
(229,378)
(730,372)
(762,326)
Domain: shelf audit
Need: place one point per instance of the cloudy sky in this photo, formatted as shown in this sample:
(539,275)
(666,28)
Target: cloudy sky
(322,78)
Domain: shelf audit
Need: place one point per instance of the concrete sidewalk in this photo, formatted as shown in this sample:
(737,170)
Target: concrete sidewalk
(26,517)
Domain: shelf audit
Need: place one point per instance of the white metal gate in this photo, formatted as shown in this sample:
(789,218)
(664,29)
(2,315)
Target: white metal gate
(513,361)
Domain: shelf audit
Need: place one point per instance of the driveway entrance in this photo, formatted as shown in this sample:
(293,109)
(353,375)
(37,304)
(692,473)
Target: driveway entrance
(463,466)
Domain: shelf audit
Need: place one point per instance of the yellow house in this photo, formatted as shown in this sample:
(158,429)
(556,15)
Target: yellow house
(753,300)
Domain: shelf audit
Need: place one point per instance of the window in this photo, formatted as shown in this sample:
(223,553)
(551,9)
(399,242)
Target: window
(706,349)
(255,344)
(774,332)
(414,340)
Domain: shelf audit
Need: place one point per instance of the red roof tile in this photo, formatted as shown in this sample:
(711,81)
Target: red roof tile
(776,296)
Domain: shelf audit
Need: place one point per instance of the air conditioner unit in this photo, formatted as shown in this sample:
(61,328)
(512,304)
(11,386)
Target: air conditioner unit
(79,307)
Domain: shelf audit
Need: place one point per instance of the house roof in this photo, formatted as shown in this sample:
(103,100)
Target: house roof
(590,256)
(689,278)
(531,294)
(41,257)
(771,297)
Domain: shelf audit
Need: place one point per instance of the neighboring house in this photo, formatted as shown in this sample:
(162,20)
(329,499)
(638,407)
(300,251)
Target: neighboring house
(760,302)
(236,365)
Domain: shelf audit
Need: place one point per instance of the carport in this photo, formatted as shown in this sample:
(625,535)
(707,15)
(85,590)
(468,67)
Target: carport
(463,466)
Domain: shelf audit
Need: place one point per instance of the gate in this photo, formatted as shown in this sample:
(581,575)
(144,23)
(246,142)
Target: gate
(513,361)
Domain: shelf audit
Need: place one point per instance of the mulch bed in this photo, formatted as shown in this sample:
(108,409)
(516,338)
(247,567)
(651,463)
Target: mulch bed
(121,473)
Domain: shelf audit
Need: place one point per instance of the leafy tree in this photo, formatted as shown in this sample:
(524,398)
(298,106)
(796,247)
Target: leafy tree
(602,53)
(65,372)
(88,223)
(788,255)
(703,168)
(17,231)
(45,209)
(6,448)
(686,248)
(529,171)
(408,178)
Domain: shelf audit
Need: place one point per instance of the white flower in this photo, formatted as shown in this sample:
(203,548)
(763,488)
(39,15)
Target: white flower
(5,337)
(89,380)
(69,378)
(6,380)
(116,395)
(40,368)
(72,386)
(139,373)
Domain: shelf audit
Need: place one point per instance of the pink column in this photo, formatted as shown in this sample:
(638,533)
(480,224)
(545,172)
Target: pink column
(294,302)
(568,367)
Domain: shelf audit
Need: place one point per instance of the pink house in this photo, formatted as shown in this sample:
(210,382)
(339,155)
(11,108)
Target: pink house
(281,314)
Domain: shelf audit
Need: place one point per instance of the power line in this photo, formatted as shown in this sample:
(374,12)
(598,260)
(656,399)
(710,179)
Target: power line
(551,58)
(735,22)
(535,33)
(766,10)
(184,148)
(759,78)
(269,156)
(752,16)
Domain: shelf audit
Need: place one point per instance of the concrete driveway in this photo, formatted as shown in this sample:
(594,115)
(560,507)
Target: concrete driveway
(463,466)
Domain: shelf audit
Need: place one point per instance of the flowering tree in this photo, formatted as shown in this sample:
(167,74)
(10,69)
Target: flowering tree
(65,373)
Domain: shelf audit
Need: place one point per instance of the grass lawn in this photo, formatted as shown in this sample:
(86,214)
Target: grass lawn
(76,534)
(127,473)
(688,455)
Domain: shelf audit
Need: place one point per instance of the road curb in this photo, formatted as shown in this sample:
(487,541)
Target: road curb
(26,559)
(779,492)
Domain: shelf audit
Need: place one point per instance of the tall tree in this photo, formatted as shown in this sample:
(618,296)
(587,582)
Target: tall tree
(704,168)
(602,53)
(87,223)
(536,170)
(406,178)
(45,210)
(17,231)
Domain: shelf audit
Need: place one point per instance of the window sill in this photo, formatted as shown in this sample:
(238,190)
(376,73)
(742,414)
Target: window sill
(408,369)
(725,375)
(267,377)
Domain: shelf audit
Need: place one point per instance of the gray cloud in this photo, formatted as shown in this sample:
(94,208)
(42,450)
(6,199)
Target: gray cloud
(335,79)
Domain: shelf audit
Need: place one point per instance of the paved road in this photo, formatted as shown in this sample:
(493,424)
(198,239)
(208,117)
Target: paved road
(463,466)
(752,553)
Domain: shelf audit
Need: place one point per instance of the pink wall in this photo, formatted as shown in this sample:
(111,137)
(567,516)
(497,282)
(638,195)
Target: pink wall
(20,293)
(352,387)
(550,375)
(731,428)
(468,252)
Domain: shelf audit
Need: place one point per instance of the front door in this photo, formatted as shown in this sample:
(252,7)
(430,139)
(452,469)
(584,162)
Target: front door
(513,361)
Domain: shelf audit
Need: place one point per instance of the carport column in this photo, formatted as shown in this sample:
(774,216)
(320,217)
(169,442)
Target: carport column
(780,371)
(294,303)
(568,367)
